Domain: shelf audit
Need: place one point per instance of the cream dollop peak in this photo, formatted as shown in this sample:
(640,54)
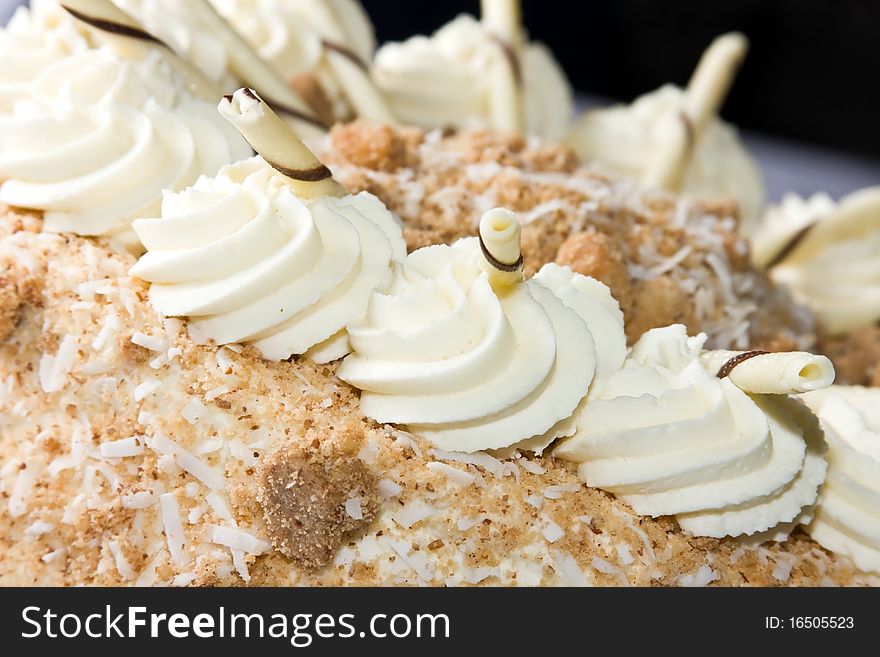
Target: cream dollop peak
(90,136)
(847,519)
(674,434)
(482,72)
(261,254)
(673,138)
(471,357)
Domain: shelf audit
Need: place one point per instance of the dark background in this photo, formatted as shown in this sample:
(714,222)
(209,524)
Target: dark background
(812,74)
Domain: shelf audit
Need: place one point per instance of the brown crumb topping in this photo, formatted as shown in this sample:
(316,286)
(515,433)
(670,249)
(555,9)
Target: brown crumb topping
(303,494)
(666,258)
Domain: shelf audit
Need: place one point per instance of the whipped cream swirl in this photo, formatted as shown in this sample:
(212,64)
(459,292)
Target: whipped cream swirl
(247,261)
(179,27)
(471,368)
(827,254)
(94,139)
(847,520)
(625,137)
(671,438)
(445,80)
(293,35)
(32,39)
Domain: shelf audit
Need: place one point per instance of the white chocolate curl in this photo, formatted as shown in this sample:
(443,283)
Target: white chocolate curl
(133,41)
(502,18)
(274,140)
(705,93)
(500,234)
(356,83)
(857,216)
(256,72)
(827,254)
(785,373)
(670,438)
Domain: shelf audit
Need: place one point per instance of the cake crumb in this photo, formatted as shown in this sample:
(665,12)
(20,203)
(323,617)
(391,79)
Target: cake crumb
(596,254)
(371,145)
(303,495)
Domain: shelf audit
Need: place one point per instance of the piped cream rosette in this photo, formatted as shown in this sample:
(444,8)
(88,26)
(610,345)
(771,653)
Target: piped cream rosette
(470,357)
(670,437)
(96,138)
(673,138)
(34,38)
(827,254)
(474,72)
(847,520)
(329,41)
(280,260)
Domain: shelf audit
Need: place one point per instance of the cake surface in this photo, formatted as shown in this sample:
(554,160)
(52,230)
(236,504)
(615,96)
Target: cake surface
(133,454)
(667,259)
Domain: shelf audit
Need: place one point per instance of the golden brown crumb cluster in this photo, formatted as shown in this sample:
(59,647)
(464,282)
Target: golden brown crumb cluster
(312,496)
(173,468)
(666,259)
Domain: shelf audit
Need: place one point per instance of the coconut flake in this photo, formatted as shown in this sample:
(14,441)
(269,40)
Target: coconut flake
(369,453)
(241,452)
(353,508)
(531,466)
(412,513)
(183,579)
(21,491)
(489,463)
(623,553)
(405,441)
(240,564)
(49,557)
(455,475)
(213,393)
(704,576)
(671,262)
(536,501)
(146,388)
(224,361)
(53,370)
(551,531)
(39,528)
(388,488)
(148,341)
(121,562)
(567,569)
(417,561)
(139,500)
(123,447)
(211,477)
(194,411)
(477,575)
(783,567)
(174,536)
(555,492)
(466,523)
(111,325)
(237,539)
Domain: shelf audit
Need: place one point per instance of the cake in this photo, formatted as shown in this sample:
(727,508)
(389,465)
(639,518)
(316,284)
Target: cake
(409,357)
